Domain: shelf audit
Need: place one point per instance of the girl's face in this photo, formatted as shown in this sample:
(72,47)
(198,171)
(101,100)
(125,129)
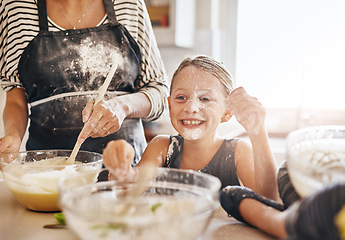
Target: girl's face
(197,103)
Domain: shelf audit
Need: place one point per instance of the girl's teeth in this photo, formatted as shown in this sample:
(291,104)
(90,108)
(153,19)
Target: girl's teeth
(186,122)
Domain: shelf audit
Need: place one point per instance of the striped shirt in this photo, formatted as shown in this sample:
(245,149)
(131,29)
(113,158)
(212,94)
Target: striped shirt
(19,25)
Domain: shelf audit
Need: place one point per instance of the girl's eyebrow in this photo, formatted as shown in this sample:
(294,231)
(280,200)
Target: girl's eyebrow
(201,90)
(178,89)
(205,91)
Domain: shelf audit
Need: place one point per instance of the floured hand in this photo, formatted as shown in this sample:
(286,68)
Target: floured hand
(101,119)
(117,157)
(248,111)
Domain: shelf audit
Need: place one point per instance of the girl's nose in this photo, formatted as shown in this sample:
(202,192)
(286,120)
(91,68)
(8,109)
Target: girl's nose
(192,106)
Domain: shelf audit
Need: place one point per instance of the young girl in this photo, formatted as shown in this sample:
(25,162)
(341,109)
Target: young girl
(202,97)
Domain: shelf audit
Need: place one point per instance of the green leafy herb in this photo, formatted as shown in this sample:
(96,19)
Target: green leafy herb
(155,206)
(60,218)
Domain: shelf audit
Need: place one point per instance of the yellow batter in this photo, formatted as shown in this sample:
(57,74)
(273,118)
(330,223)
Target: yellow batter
(34,184)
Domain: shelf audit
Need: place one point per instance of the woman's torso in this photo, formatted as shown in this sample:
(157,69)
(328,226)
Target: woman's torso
(62,71)
(20,24)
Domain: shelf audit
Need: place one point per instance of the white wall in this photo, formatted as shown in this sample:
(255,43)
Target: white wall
(215,35)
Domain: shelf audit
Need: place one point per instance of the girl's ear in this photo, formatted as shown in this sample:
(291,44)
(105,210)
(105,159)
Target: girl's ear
(169,104)
(226,117)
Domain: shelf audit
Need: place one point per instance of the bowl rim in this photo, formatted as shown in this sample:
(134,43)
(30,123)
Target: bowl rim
(313,130)
(13,162)
(213,202)
(216,183)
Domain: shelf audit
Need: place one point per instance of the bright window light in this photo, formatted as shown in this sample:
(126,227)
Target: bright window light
(291,53)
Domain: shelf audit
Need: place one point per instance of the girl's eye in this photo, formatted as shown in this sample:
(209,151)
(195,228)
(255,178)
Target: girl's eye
(180,98)
(205,99)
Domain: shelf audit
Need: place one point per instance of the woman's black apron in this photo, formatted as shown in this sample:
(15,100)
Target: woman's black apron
(62,71)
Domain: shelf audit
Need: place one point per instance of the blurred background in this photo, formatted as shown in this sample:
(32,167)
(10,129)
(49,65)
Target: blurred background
(290,54)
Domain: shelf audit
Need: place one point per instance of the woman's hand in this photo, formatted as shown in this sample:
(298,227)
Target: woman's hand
(106,117)
(10,144)
(248,111)
(117,157)
(15,118)
(101,119)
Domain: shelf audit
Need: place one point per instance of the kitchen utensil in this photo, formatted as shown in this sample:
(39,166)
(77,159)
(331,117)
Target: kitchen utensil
(101,92)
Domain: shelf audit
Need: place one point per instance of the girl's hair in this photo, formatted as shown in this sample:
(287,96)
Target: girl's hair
(211,66)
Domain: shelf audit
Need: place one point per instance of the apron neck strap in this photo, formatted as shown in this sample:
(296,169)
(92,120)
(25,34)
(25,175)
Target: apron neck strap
(43,20)
(42,15)
(109,8)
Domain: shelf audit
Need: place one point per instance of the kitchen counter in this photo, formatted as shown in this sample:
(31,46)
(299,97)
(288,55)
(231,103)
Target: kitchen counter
(17,223)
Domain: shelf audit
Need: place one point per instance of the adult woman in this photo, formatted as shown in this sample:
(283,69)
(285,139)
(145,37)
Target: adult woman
(57,53)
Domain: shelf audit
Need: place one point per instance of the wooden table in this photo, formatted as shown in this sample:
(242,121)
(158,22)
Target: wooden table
(17,223)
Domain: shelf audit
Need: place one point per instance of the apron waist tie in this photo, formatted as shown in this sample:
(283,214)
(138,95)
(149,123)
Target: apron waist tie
(69,94)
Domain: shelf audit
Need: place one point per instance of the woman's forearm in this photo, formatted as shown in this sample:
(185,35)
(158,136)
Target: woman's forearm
(15,113)
(135,105)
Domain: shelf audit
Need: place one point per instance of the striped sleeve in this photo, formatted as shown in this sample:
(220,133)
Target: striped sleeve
(18,26)
(134,16)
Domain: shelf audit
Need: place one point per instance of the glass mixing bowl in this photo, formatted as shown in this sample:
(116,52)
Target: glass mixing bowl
(32,176)
(177,204)
(316,157)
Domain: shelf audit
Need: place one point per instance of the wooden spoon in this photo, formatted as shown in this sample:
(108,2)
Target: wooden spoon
(101,92)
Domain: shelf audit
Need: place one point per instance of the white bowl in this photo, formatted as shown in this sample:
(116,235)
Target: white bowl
(316,157)
(32,176)
(177,204)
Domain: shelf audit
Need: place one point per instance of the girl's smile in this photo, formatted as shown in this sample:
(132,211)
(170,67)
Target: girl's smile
(191,123)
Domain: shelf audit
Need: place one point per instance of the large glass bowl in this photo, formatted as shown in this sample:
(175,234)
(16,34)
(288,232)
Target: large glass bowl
(32,176)
(177,204)
(316,157)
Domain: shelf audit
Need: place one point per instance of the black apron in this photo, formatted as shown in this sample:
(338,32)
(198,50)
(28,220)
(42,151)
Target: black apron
(62,71)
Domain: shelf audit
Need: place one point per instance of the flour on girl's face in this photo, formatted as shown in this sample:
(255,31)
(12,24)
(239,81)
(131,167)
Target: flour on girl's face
(197,103)
(191,134)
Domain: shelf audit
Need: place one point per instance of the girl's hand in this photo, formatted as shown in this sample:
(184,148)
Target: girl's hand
(101,119)
(117,157)
(248,111)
